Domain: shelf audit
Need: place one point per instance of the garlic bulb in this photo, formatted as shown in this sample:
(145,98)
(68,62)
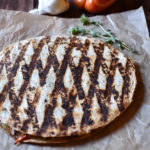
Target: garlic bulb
(53,7)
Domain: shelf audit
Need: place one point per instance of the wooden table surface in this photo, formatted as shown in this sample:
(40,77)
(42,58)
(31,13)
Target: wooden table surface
(74,12)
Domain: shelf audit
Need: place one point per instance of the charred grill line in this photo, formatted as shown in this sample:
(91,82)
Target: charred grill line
(49,120)
(110,79)
(125,89)
(69,106)
(94,76)
(123,72)
(12,96)
(49,126)
(103,108)
(51,61)
(87,103)
(39,67)
(1,65)
(77,73)
(107,92)
(68,119)
(59,86)
(3,94)
(113,90)
(27,71)
(12,73)
(87,112)
(31,113)
(4,60)
(48,39)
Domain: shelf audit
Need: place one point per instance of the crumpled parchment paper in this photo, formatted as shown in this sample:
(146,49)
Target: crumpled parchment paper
(131,131)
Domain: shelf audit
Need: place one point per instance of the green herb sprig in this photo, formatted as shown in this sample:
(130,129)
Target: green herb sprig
(107,35)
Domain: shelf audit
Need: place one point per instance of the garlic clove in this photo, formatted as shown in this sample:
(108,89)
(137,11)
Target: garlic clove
(34,11)
(53,7)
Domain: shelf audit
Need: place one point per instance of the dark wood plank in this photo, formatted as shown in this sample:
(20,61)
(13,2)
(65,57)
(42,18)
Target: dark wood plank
(146,5)
(74,12)
(24,5)
(118,6)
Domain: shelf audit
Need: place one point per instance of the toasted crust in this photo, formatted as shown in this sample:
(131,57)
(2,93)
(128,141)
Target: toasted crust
(63,86)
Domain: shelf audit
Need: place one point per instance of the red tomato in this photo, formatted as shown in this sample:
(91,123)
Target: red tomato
(80,3)
(94,6)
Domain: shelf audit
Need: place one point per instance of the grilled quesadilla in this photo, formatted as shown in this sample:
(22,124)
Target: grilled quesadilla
(55,87)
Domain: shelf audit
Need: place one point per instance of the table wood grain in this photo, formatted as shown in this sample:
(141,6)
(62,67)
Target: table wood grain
(74,12)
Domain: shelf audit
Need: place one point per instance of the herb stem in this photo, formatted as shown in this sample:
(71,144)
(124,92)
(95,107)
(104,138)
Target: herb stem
(107,35)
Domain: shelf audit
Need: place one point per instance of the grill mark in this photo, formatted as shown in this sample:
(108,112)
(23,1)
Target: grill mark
(49,120)
(27,70)
(103,107)
(68,119)
(94,76)
(88,101)
(77,71)
(18,60)
(77,74)
(87,112)
(4,59)
(3,94)
(41,72)
(12,96)
(7,57)
(125,89)
(109,85)
(43,75)
(48,39)
(1,66)
(123,72)
(69,106)
(31,113)
(91,90)
(115,93)
(10,77)
(51,60)
(110,78)
(97,64)
(59,85)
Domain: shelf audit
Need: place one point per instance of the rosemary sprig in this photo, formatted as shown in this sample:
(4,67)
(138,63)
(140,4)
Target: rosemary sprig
(78,30)
(107,35)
